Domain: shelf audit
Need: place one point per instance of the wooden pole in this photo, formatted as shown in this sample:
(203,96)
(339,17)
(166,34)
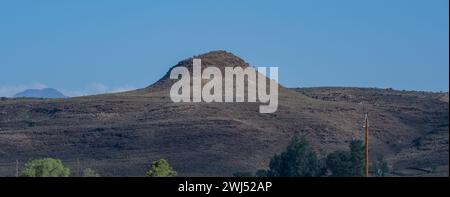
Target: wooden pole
(366,139)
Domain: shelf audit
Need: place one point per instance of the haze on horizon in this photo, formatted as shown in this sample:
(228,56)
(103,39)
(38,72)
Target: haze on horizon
(87,47)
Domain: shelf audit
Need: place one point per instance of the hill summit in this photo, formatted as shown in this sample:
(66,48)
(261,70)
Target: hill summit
(219,59)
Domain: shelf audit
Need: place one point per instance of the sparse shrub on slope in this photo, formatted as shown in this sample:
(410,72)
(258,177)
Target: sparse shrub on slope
(88,172)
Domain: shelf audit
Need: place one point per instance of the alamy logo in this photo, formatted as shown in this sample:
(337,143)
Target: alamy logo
(233,91)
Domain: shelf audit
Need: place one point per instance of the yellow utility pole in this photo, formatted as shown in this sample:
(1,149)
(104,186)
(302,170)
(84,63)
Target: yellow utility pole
(366,139)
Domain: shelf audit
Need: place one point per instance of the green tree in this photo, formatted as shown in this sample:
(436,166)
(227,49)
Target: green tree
(358,156)
(298,160)
(88,172)
(47,167)
(261,173)
(348,163)
(161,168)
(339,163)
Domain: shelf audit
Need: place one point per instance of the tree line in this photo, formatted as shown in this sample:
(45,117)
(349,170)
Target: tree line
(50,167)
(299,160)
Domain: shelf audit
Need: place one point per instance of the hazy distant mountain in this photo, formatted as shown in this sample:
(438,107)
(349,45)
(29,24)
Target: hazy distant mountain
(41,93)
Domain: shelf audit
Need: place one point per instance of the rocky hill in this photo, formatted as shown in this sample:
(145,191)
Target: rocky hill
(120,134)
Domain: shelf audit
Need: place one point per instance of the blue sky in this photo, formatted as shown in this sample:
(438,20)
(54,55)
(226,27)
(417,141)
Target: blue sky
(86,47)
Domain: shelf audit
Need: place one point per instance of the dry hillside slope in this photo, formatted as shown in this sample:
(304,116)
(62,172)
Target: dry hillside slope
(120,134)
